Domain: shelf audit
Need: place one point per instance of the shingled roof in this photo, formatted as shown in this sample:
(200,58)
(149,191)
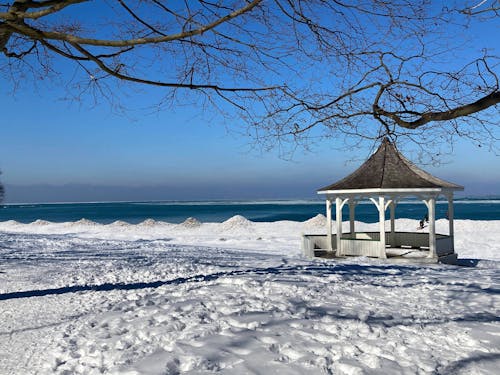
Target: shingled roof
(387,168)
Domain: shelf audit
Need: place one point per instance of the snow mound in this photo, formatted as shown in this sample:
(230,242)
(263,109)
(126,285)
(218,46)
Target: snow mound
(236,221)
(11,222)
(149,223)
(191,222)
(120,223)
(317,221)
(41,222)
(85,222)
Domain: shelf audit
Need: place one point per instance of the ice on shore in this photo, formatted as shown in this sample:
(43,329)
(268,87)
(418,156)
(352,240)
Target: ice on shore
(119,223)
(85,222)
(149,223)
(159,298)
(317,221)
(190,222)
(41,222)
(236,222)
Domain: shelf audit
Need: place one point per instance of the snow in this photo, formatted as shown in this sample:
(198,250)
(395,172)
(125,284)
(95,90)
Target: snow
(239,298)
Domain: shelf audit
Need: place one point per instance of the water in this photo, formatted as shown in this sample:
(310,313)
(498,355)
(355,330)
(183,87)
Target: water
(218,211)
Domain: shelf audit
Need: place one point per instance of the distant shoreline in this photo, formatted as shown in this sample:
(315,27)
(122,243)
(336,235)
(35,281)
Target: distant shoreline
(180,202)
(319,200)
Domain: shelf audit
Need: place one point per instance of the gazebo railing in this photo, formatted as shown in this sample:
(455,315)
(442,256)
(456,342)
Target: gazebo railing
(312,243)
(360,246)
(368,243)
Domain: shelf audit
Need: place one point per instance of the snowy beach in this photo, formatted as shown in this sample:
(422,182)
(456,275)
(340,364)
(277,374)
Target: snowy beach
(239,298)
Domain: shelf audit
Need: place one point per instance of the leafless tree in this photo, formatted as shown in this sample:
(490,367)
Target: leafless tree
(294,70)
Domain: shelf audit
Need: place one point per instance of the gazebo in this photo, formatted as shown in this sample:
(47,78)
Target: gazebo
(385,179)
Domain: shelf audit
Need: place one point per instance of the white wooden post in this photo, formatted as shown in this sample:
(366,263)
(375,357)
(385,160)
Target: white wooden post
(329,224)
(432,227)
(392,207)
(381,211)
(338,219)
(352,216)
(450,220)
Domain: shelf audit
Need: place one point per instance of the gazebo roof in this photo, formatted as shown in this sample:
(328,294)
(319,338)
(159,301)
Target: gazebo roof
(388,169)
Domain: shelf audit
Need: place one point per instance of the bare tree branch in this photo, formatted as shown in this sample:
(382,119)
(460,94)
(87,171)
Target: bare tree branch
(294,71)
(16,13)
(54,35)
(424,118)
(117,74)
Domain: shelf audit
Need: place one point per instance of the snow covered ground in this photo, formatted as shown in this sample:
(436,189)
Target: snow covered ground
(238,298)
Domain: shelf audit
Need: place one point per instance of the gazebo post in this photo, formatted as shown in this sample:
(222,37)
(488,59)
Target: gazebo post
(329,223)
(381,212)
(381,219)
(352,215)
(392,207)
(450,220)
(431,206)
(338,219)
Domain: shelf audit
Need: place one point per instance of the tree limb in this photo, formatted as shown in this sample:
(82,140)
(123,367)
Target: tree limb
(117,74)
(19,13)
(34,33)
(465,110)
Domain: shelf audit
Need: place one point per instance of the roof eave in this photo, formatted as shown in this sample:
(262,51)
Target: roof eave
(391,190)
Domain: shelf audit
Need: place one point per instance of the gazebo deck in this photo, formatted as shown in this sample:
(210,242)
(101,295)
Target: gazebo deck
(394,256)
(401,247)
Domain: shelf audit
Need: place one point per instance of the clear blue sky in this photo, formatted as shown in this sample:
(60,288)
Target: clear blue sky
(171,155)
(55,150)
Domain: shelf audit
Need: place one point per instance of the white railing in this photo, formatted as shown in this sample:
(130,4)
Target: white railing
(317,242)
(361,246)
(368,243)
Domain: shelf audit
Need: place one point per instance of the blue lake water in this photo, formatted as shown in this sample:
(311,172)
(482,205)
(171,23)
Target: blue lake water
(218,211)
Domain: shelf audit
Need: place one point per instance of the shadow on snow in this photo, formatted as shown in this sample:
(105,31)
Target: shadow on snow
(348,272)
(309,270)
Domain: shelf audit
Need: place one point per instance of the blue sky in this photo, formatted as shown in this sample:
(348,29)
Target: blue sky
(59,143)
(57,150)
(79,153)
